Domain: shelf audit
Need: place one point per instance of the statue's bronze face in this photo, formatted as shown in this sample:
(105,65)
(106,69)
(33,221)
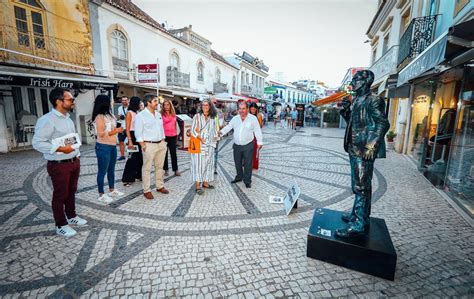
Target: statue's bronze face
(358,82)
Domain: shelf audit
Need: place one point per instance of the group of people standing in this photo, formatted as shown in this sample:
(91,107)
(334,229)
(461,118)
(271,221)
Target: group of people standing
(151,134)
(287,118)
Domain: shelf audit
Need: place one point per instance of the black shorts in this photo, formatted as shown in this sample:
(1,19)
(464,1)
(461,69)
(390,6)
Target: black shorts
(122,136)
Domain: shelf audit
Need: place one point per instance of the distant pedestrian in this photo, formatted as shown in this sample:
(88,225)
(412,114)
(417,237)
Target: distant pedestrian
(256,151)
(133,167)
(282,118)
(276,118)
(288,116)
(170,126)
(294,115)
(151,136)
(63,160)
(105,147)
(246,127)
(122,112)
(205,127)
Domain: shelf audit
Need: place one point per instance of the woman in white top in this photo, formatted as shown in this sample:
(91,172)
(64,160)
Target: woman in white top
(133,167)
(205,127)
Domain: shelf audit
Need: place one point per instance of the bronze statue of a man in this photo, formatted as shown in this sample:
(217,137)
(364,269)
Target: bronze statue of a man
(364,141)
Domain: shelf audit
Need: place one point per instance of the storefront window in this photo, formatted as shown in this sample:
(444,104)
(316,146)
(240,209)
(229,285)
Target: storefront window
(440,130)
(460,174)
(422,97)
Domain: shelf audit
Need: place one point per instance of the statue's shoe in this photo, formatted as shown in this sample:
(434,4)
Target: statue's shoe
(346,217)
(353,231)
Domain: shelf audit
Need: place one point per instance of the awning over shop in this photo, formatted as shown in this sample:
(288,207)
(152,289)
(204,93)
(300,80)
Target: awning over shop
(150,87)
(10,75)
(335,97)
(190,94)
(228,97)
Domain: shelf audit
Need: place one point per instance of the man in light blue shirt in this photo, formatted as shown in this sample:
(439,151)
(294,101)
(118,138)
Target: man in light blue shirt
(63,159)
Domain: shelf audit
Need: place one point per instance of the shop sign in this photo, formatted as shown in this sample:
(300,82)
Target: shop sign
(270,90)
(148,73)
(53,83)
(427,60)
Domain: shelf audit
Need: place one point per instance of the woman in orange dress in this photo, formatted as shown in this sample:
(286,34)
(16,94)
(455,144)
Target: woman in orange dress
(254,110)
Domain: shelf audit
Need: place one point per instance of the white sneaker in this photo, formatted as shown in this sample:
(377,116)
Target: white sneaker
(65,231)
(77,221)
(105,199)
(116,193)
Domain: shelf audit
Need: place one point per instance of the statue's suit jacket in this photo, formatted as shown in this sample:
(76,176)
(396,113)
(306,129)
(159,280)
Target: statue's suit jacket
(366,125)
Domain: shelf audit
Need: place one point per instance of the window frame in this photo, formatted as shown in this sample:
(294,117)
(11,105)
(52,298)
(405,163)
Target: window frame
(32,39)
(114,36)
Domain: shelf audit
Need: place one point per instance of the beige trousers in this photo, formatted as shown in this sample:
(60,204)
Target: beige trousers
(154,154)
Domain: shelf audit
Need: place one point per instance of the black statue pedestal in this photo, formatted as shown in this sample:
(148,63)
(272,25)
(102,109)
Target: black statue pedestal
(373,254)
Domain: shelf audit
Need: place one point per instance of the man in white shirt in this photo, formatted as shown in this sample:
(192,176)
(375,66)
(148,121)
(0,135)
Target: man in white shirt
(122,113)
(63,160)
(151,136)
(245,127)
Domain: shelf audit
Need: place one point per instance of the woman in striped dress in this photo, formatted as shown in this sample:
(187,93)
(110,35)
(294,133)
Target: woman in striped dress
(206,128)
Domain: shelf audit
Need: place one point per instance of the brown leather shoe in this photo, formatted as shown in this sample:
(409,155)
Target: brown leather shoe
(148,195)
(163,190)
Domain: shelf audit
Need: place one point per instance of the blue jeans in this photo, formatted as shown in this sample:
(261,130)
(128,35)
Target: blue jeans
(106,158)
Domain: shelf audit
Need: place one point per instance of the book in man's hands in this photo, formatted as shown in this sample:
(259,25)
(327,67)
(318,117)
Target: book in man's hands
(68,139)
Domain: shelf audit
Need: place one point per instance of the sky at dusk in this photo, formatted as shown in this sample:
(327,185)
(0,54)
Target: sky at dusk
(317,39)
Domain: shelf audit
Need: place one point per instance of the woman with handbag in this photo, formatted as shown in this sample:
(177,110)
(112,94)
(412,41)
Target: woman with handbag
(171,132)
(202,144)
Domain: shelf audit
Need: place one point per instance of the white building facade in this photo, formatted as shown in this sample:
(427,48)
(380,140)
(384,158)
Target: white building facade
(125,36)
(252,74)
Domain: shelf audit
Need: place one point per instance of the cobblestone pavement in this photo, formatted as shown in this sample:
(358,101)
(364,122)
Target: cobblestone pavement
(229,242)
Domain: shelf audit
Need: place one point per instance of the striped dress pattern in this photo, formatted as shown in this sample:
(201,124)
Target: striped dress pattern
(202,165)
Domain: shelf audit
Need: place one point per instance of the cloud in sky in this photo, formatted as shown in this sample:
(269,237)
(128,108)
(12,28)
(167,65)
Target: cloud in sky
(318,39)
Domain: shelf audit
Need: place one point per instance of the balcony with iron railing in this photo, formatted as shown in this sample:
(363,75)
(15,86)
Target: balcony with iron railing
(220,87)
(175,78)
(416,38)
(29,48)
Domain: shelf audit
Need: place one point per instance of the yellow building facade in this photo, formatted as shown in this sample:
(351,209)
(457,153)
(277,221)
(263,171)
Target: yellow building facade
(51,30)
(44,44)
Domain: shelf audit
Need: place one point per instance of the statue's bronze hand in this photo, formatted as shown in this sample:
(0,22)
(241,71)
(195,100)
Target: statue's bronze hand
(346,104)
(369,153)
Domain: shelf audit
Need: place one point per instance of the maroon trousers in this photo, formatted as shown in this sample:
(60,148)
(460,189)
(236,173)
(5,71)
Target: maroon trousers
(64,177)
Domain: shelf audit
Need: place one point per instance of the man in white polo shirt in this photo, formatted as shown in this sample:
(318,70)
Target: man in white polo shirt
(151,136)
(245,127)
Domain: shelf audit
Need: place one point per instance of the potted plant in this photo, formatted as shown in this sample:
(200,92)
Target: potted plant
(390,137)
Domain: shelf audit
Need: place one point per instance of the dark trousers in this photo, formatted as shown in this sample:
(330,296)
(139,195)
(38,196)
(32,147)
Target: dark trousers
(64,177)
(106,159)
(133,167)
(243,156)
(361,179)
(172,150)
